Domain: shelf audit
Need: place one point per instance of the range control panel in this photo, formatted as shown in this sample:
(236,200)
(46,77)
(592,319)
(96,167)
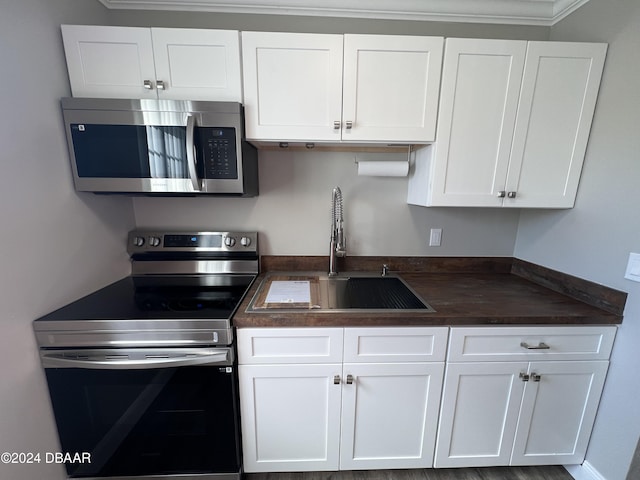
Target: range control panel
(145,241)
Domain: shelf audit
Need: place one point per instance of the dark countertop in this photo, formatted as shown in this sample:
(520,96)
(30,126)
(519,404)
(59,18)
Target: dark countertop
(462,291)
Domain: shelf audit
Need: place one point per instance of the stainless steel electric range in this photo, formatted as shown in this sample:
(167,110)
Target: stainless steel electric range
(142,373)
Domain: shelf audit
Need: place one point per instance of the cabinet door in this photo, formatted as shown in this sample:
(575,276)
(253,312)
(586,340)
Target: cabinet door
(389,415)
(478,103)
(198,64)
(109,62)
(558,98)
(479,414)
(290,417)
(391,86)
(292,86)
(558,411)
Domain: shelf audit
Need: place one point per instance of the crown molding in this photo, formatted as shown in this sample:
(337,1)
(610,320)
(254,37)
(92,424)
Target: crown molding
(515,12)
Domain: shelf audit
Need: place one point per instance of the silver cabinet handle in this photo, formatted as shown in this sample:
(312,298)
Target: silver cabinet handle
(336,379)
(524,377)
(148,84)
(540,346)
(349,125)
(191,153)
(349,379)
(535,377)
(510,194)
(336,125)
(502,194)
(160,85)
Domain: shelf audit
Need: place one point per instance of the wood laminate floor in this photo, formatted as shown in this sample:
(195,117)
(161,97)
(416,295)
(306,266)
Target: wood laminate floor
(487,473)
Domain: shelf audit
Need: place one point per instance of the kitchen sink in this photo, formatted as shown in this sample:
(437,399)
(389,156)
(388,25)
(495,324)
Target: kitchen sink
(349,292)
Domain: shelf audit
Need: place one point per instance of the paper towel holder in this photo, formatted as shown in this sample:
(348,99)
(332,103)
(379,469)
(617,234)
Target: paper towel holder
(383,166)
(392,145)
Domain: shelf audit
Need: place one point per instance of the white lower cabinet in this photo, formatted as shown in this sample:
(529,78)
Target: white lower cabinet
(389,415)
(290,417)
(360,414)
(326,399)
(537,409)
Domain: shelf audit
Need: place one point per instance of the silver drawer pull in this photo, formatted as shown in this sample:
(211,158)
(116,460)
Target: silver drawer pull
(540,346)
(336,379)
(349,379)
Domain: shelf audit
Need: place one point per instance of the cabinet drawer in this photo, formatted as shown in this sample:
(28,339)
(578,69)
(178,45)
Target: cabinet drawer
(488,344)
(289,345)
(401,344)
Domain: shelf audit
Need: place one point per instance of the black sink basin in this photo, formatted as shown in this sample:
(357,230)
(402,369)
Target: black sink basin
(375,293)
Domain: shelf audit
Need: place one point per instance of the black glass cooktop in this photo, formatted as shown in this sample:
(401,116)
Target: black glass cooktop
(163,297)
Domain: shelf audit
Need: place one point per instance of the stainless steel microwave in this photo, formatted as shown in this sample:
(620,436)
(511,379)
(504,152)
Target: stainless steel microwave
(159,147)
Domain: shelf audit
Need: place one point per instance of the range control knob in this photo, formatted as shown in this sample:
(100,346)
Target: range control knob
(154,241)
(230,241)
(138,241)
(245,241)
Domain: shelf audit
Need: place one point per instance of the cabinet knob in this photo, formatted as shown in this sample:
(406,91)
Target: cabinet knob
(540,346)
(524,377)
(510,194)
(349,379)
(349,125)
(502,194)
(336,379)
(160,85)
(535,377)
(148,84)
(336,125)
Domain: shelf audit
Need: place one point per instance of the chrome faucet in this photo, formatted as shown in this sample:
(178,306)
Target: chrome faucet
(337,247)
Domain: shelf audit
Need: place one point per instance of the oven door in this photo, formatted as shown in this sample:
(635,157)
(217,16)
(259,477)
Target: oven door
(146,411)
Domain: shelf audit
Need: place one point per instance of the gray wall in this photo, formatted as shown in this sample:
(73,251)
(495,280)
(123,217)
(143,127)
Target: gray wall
(593,240)
(55,244)
(292,212)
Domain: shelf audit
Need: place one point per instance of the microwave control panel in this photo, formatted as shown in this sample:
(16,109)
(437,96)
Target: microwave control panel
(218,159)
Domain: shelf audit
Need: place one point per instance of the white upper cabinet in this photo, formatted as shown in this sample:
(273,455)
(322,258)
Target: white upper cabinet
(557,102)
(292,85)
(391,86)
(513,124)
(171,63)
(478,105)
(341,88)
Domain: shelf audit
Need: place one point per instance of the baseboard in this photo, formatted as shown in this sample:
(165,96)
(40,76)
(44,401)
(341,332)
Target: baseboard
(586,471)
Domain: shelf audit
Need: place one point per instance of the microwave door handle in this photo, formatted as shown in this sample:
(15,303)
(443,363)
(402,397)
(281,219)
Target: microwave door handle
(191,153)
(205,358)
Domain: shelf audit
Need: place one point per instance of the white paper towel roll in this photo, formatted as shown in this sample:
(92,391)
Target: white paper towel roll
(383,168)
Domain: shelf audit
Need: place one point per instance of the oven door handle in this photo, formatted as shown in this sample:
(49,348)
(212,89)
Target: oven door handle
(116,361)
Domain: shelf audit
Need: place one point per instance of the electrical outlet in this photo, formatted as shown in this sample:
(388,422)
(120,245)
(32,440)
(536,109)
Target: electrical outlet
(435,238)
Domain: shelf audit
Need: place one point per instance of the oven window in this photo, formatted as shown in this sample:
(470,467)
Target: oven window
(147,422)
